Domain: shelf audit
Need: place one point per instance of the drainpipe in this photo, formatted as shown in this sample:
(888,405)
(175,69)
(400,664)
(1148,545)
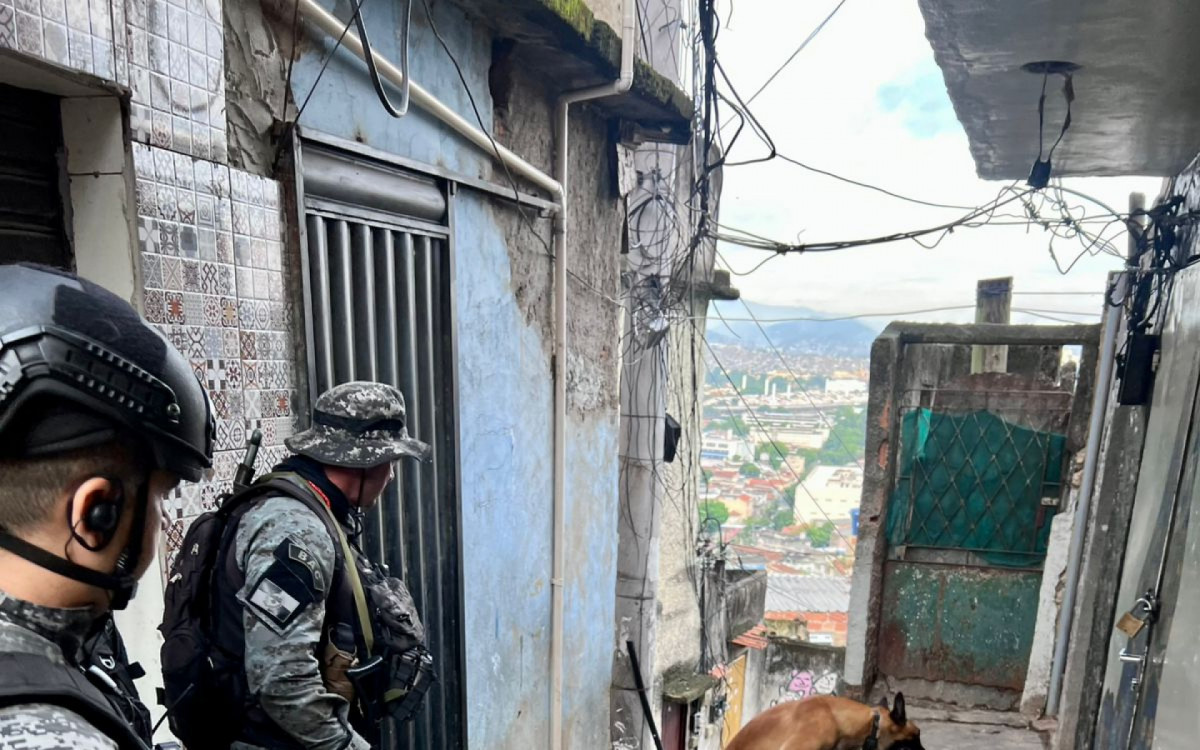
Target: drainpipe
(1091,460)
(556,186)
(329,23)
(561,175)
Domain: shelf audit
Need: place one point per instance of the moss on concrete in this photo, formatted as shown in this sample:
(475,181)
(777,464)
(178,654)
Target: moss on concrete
(650,84)
(600,42)
(574,12)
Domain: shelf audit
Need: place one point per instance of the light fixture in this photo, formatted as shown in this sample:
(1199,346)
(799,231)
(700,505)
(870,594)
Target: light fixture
(1039,175)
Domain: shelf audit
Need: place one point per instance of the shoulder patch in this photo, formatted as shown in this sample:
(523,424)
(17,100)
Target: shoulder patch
(290,585)
(292,554)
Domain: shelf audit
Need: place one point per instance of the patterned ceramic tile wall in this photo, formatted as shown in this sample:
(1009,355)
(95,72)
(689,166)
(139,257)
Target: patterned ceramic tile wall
(169,52)
(176,52)
(84,35)
(212,258)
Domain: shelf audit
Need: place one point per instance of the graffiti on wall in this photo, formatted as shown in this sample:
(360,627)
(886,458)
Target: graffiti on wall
(804,683)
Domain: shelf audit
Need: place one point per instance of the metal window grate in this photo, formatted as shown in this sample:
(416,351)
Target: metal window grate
(976,482)
(379,308)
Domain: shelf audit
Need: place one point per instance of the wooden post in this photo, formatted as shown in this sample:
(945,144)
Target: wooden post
(993,303)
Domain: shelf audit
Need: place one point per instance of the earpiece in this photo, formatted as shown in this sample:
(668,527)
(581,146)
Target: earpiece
(102,518)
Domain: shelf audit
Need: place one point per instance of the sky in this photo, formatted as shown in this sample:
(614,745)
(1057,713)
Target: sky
(866,100)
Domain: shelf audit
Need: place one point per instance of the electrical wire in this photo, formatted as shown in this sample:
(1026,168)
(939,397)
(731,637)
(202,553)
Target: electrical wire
(819,247)
(484,129)
(889,314)
(868,186)
(395,110)
(762,429)
(328,58)
(811,36)
(795,379)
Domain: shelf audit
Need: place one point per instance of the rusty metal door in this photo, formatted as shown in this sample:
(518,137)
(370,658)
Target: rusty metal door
(980,479)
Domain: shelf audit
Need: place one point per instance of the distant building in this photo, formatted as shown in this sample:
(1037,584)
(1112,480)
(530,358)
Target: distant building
(720,448)
(845,386)
(828,491)
(811,438)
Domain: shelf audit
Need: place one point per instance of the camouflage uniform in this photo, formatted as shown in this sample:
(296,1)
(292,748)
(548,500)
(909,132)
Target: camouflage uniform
(50,633)
(356,425)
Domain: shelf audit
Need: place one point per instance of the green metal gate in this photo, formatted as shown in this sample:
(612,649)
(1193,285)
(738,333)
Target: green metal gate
(978,483)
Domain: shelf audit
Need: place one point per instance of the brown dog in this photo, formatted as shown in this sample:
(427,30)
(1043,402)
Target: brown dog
(830,723)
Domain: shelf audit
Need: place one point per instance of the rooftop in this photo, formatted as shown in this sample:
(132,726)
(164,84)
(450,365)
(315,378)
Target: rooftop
(807,593)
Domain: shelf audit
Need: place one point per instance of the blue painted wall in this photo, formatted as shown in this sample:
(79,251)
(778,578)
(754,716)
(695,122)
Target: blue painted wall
(504,400)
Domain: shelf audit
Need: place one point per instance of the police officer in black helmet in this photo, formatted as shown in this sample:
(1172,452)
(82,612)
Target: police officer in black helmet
(99,418)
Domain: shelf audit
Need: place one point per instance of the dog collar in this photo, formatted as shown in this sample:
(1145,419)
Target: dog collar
(872,741)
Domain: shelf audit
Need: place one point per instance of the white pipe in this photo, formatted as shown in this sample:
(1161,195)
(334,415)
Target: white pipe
(556,186)
(330,24)
(1091,460)
(561,175)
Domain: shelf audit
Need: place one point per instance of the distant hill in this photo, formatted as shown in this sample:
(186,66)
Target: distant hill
(837,337)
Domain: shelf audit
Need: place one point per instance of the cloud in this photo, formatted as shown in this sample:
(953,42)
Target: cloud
(866,100)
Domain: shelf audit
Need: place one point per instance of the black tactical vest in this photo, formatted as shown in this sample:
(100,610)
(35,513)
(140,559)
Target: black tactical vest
(27,679)
(342,610)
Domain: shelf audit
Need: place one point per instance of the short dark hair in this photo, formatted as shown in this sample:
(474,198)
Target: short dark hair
(31,487)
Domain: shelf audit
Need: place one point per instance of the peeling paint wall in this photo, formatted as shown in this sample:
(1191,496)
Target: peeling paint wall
(255,75)
(503,289)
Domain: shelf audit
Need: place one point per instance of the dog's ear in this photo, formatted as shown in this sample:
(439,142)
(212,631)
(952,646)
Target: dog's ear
(899,717)
(883,703)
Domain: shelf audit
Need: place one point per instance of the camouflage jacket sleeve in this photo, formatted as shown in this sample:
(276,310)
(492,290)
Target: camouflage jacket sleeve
(40,726)
(287,556)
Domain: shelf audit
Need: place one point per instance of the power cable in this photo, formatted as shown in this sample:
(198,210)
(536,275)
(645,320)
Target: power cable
(479,120)
(328,58)
(820,247)
(832,430)
(811,36)
(869,186)
(892,314)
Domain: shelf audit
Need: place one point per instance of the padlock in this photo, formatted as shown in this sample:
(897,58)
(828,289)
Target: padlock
(1130,624)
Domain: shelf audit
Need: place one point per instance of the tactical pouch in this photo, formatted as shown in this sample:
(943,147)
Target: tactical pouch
(336,663)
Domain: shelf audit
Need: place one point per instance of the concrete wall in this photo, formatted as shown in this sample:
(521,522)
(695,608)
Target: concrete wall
(794,671)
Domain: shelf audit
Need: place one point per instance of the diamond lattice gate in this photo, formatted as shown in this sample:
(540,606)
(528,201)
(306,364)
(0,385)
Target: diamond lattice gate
(979,479)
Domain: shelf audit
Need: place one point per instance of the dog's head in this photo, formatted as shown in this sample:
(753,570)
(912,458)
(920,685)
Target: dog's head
(896,732)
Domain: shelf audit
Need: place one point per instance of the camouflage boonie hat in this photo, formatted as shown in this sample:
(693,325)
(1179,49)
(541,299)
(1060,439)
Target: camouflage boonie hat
(358,425)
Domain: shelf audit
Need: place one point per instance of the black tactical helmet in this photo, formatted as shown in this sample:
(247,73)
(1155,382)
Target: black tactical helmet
(78,365)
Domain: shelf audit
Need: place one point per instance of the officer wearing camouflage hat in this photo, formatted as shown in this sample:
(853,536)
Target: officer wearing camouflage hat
(300,627)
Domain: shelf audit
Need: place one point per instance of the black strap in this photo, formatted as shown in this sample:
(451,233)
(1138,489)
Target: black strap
(27,679)
(872,741)
(62,566)
(350,424)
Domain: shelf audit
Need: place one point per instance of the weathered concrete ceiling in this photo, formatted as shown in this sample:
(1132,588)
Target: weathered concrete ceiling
(570,45)
(1137,98)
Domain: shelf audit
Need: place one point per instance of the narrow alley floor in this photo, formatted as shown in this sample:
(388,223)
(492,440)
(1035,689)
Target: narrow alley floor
(955,730)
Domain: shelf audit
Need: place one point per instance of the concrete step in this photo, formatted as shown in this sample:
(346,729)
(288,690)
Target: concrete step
(955,715)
